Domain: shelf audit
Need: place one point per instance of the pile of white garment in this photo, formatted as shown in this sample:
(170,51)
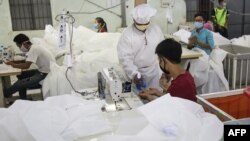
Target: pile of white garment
(220,40)
(68,118)
(242,41)
(92,52)
(59,118)
(174,119)
(184,35)
(208,72)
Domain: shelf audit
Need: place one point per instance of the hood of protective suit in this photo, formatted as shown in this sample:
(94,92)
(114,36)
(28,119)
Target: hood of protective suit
(142,13)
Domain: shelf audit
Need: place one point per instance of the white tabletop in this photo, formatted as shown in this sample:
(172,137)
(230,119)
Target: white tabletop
(189,54)
(8,70)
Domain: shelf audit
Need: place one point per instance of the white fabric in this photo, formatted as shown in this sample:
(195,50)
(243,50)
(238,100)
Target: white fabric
(136,52)
(91,51)
(220,40)
(60,118)
(142,13)
(151,131)
(199,68)
(126,138)
(241,41)
(131,122)
(181,116)
(217,81)
(12,127)
(41,57)
(184,35)
(208,72)
(169,14)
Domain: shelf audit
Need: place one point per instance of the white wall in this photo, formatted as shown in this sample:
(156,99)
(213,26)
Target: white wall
(179,14)
(113,21)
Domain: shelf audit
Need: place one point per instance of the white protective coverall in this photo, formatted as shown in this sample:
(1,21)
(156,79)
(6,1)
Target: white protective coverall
(136,52)
(136,49)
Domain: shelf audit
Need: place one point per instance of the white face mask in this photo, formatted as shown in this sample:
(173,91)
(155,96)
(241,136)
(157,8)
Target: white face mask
(198,25)
(95,25)
(141,27)
(223,4)
(23,49)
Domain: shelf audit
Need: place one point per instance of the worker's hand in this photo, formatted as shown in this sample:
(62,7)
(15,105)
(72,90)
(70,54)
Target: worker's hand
(166,77)
(145,95)
(165,81)
(136,80)
(193,40)
(155,92)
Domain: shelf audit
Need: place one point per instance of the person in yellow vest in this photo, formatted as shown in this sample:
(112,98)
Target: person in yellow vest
(220,18)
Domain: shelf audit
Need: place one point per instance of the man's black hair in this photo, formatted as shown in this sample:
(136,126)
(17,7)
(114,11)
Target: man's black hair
(20,38)
(170,49)
(199,14)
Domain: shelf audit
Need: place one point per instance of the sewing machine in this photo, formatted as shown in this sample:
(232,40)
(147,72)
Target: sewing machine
(6,53)
(115,88)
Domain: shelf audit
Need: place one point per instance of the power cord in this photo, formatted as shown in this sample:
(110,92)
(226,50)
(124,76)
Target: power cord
(99,10)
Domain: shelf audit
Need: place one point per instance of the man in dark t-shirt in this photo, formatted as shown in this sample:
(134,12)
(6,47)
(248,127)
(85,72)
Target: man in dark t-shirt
(182,84)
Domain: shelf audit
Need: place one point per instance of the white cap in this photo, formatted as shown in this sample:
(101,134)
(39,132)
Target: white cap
(142,13)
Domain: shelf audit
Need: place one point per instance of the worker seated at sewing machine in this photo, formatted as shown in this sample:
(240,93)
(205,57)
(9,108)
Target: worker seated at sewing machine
(176,80)
(29,78)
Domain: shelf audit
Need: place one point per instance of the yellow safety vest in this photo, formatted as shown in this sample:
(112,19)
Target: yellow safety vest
(220,16)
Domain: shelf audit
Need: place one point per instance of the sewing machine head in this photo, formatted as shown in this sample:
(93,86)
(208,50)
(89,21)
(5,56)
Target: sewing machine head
(114,83)
(115,87)
(6,54)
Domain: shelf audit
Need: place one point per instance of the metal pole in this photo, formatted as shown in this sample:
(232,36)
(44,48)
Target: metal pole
(243,18)
(123,13)
(234,72)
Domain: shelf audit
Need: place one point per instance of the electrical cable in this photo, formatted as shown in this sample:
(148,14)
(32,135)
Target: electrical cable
(84,93)
(99,10)
(82,5)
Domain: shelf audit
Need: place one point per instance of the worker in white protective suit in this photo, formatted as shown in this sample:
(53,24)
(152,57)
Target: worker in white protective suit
(136,47)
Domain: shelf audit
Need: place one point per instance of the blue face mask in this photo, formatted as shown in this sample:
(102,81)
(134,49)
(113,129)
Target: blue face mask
(95,26)
(198,25)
